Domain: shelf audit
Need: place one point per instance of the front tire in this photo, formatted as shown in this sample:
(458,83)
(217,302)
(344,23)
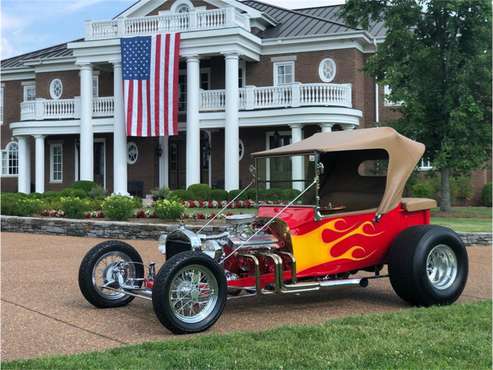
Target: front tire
(428,265)
(94,272)
(189,293)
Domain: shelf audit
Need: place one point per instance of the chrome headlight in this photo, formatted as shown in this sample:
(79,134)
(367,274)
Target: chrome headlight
(162,243)
(213,249)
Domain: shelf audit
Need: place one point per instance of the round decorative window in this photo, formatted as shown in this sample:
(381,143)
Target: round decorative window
(133,152)
(242,149)
(56,88)
(327,70)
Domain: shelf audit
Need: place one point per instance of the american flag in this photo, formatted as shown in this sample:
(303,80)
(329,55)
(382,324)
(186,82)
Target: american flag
(150,75)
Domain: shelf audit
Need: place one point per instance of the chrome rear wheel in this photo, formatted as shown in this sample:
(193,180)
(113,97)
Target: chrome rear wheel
(441,266)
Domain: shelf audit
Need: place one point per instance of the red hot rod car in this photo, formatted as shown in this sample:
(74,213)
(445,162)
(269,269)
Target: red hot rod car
(357,222)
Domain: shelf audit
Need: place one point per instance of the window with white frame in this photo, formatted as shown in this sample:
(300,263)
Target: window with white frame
(283,73)
(1,104)
(56,88)
(387,91)
(10,159)
(95,86)
(56,162)
(29,91)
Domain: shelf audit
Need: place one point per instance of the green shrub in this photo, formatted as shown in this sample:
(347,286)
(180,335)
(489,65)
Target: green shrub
(169,209)
(249,194)
(73,193)
(219,194)
(18,204)
(199,192)
(461,188)
(486,195)
(118,207)
(179,194)
(163,193)
(426,187)
(97,192)
(75,207)
(85,186)
(29,206)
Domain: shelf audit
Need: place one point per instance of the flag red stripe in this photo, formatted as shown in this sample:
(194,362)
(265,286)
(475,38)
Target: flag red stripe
(166,82)
(175,84)
(156,85)
(139,108)
(130,107)
(148,108)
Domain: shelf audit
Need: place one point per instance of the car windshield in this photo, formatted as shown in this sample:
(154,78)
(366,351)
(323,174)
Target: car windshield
(280,179)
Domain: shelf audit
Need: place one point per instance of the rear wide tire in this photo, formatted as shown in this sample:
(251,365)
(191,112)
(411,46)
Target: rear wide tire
(428,265)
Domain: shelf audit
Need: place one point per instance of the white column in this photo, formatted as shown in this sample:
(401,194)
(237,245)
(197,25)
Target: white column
(193,127)
(326,127)
(24,173)
(119,134)
(297,165)
(86,132)
(39,160)
(164,162)
(231,130)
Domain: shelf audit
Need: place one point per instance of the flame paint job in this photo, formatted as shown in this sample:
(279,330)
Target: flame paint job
(342,243)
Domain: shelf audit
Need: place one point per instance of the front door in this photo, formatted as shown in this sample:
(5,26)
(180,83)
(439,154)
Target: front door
(100,162)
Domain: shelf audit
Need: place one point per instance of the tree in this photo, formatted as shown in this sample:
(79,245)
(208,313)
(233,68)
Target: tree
(436,58)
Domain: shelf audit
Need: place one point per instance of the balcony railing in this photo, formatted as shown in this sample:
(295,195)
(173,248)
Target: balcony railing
(251,98)
(293,95)
(43,109)
(199,20)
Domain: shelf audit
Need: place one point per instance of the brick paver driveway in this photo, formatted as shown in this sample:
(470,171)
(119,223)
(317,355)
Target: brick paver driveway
(43,312)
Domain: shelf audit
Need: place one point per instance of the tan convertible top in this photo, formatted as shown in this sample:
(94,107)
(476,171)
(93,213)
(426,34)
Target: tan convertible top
(403,154)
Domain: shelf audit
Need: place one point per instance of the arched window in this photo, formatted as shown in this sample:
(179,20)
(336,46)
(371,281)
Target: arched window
(182,6)
(10,159)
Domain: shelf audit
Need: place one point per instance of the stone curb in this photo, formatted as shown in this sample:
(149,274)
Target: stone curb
(135,230)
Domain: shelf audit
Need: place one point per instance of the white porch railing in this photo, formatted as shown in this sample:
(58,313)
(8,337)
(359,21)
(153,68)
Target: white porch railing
(199,20)
(293,95)
(43,109)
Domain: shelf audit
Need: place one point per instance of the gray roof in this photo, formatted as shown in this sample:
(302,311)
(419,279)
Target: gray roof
(52,52)
(333,13)
(292,23)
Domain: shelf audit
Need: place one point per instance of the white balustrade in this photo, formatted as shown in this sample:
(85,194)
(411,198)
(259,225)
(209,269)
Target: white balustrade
(251,97)
(174,22)
(44,109)
(293,95)
(103,106)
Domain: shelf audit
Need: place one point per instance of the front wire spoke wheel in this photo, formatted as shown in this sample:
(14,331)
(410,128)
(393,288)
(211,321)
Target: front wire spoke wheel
(106,270)
(193,294)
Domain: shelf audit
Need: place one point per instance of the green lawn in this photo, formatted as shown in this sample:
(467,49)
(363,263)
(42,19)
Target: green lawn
(457,336)
(463,224)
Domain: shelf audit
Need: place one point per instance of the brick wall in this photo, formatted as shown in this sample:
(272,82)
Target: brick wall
(70,81)
(13,95)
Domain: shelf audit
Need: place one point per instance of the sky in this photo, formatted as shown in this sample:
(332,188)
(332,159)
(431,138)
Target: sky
(28,25)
